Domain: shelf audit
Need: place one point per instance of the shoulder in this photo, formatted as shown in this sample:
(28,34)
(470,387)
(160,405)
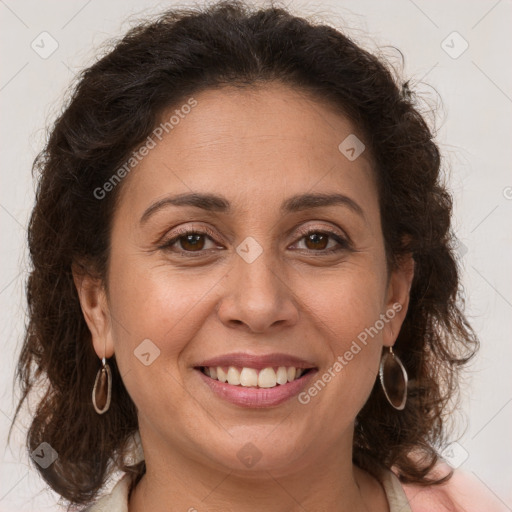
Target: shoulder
(116,500)
(463,492)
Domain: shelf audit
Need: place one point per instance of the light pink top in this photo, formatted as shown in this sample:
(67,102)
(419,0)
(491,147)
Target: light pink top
(462,493)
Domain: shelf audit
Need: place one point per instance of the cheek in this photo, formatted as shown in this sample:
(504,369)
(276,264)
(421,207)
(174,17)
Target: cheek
(347,314)
(155,302)
(346,303)
(171,308)
(155,314)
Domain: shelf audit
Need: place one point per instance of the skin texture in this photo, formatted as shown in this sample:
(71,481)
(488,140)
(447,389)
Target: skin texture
(257,147)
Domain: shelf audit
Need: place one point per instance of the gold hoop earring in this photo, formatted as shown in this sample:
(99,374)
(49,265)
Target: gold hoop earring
(102,390)
(393,378)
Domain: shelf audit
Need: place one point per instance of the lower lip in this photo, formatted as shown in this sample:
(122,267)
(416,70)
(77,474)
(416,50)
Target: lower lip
(257,397)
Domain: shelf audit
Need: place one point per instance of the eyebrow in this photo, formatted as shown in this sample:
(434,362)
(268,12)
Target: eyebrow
(219,204)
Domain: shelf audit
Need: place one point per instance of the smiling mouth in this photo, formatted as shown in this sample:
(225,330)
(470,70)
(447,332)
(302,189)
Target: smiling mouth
(269,377)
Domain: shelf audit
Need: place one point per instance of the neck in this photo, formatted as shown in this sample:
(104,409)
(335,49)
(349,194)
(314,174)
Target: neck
(328,482)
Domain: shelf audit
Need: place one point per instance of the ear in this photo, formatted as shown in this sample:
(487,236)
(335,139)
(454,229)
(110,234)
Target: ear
(397,298)
(93,300)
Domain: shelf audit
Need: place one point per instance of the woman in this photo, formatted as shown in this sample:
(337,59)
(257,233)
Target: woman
(242,259)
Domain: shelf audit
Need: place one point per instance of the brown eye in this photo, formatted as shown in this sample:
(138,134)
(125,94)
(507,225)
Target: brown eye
(316,241)
(189,241)
(192,242)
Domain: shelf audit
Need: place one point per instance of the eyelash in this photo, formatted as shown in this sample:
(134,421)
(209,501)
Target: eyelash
(343,244)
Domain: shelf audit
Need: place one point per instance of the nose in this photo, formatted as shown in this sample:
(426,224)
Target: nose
(257,297)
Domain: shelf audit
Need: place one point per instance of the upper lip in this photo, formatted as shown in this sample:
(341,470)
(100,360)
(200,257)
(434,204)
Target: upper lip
(258,362)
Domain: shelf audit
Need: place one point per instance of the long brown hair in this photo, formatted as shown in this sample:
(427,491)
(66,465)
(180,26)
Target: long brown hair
(115,105)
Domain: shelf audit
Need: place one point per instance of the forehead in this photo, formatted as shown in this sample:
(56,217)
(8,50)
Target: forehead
(256,144)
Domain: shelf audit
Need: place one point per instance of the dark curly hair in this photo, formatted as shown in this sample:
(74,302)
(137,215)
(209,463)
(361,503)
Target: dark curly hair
(115,105)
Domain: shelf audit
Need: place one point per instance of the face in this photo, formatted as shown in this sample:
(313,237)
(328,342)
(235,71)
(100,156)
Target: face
(283,267)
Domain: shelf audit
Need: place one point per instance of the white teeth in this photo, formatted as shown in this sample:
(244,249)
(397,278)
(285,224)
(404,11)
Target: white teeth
(233,376)
(282,375)
(221,375)
(267,378)
(249,377)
